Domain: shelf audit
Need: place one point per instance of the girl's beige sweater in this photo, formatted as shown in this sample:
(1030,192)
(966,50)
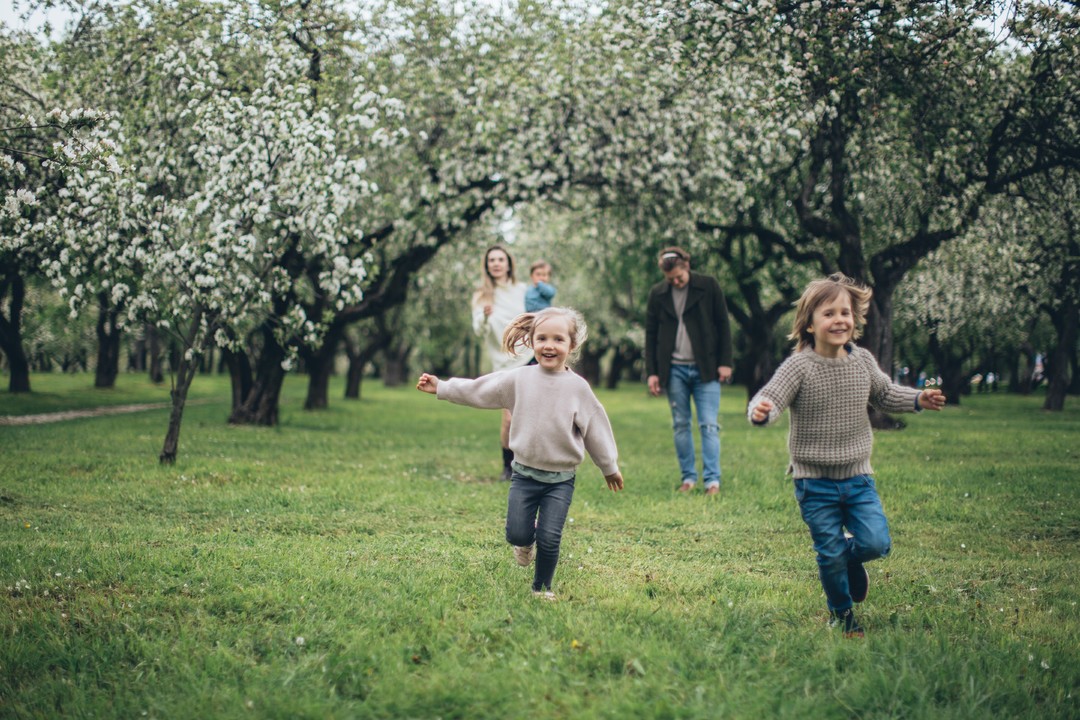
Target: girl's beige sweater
(556,416)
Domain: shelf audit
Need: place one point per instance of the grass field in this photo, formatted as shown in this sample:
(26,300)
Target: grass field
(350,564)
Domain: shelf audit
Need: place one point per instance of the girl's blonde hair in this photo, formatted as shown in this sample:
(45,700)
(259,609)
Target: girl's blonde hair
(485,293)
(822,291)
(520,330)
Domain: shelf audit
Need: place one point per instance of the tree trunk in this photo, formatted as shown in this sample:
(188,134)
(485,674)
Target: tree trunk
(184,376)
(1074,365)
(758,336)
(950,368)
(359,356)
(11,334)
(239,376)
(588,366)
(1065,320)
(260,405)
(137,355)
(185,373)
(320,365)
(319,383)
(153,352)
(396,365)
(624,357)
(1021,380)
(878,339)
(108,336)
(354,378)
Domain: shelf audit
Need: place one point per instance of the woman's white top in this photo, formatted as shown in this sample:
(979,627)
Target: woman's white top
(508,304)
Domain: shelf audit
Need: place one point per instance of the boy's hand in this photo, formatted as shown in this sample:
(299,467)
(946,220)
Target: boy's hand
(761,411)
(614,481)
(428,383)
(932,399)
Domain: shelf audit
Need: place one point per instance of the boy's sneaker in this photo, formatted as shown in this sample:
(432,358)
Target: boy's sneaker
(858,580)
(524,555)
(544,595)
(847,622)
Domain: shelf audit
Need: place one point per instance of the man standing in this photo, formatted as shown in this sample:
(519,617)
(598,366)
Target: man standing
(688,352)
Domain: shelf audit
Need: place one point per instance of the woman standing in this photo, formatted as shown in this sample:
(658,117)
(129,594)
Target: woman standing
(497,301)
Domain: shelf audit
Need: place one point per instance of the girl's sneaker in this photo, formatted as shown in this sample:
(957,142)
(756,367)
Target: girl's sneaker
(524,555)
(544,595)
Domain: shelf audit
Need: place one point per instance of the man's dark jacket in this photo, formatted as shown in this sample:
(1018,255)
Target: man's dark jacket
(707,324)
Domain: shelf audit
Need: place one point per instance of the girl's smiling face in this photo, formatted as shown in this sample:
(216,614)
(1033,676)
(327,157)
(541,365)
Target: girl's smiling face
(552,343)
(833,325)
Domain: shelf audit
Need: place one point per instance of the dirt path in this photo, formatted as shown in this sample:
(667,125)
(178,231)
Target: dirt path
(74,414)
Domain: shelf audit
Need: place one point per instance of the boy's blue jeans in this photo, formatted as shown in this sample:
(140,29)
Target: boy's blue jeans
(686,383)
(536,512)
(829,506)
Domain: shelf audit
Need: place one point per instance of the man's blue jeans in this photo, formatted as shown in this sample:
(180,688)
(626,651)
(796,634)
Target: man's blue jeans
(686,383)
(829,506)
(536,512)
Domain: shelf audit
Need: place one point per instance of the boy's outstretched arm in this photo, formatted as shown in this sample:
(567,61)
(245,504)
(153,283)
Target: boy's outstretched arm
(932,399)
(614,481)
(427,383)
(761,411)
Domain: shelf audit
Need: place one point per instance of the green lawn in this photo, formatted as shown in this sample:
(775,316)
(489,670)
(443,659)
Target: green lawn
(350,564)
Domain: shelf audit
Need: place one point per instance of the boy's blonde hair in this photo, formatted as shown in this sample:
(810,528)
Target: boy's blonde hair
(520,330)
(822,291)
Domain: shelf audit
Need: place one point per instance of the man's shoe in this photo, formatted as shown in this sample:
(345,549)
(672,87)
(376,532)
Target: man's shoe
(686,487)
(544,595)
(846,621)
(524,555)
(712,490)
(858,580)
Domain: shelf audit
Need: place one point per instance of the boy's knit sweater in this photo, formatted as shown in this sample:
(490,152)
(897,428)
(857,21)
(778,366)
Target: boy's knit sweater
(830,435)
(556,416)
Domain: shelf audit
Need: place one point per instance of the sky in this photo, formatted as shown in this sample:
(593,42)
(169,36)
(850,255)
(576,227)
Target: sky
(9,16)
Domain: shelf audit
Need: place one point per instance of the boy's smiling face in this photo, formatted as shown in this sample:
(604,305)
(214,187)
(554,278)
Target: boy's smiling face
(833,325)
(541,274)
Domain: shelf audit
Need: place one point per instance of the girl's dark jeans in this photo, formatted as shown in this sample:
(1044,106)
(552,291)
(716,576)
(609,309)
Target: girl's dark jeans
(536,512)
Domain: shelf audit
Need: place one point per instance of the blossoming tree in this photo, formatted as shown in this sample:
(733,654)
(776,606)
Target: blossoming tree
(41,144)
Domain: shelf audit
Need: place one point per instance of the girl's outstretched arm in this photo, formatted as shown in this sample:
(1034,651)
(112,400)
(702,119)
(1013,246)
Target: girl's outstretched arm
(614,481)
(428,383)
(932,399)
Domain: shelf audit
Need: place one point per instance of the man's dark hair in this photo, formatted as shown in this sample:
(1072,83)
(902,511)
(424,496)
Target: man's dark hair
(673,257)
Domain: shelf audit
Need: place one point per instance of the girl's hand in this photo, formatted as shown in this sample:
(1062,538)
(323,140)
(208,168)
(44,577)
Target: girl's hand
(761,411)
(931,399)
(428,383)
(488,309)
(614,481)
